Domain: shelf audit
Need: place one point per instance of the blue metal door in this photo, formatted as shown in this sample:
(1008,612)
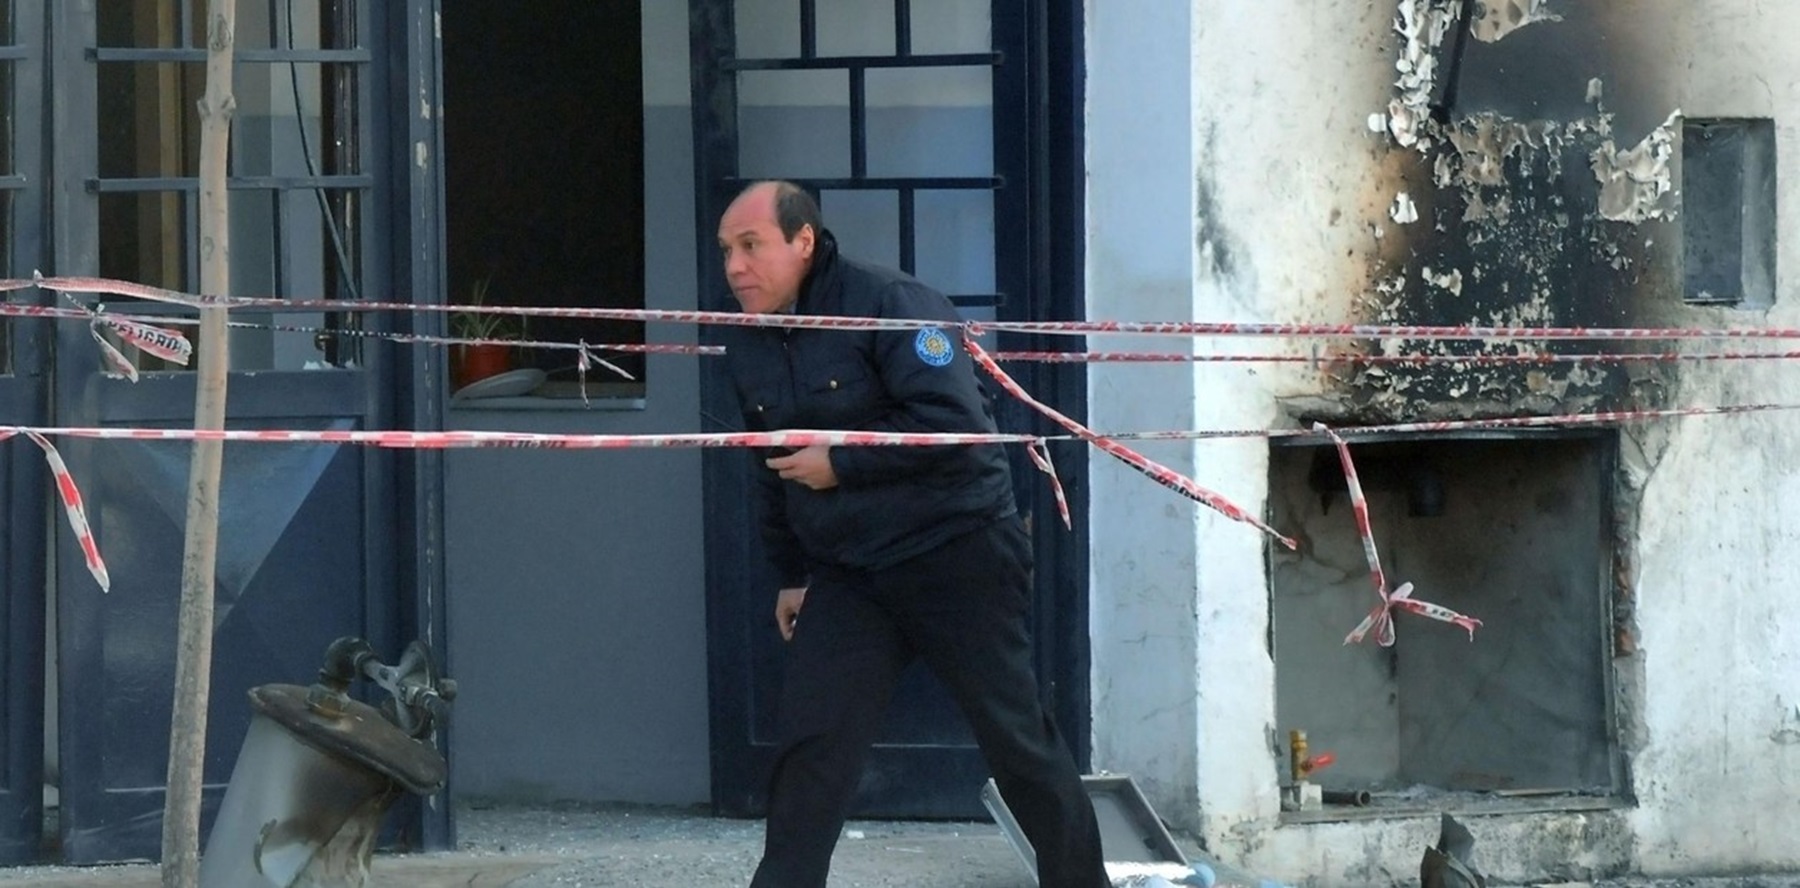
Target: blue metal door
(942,139)
(23,518)
(308,545)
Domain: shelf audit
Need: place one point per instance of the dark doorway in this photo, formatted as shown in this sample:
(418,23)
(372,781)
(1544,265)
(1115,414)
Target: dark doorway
(945,142)
(543,168)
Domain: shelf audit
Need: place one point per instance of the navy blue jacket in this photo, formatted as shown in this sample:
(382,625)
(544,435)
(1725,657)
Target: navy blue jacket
(891,503)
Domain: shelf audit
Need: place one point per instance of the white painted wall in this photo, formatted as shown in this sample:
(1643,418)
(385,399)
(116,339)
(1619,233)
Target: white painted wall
(1232,175)
(1718,760)
(1145,545)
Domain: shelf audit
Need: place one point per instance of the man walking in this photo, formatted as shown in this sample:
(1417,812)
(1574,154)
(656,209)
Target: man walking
(891,552)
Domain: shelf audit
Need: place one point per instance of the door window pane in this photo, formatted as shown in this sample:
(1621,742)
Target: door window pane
(6,237)
(278,102)
(951,26)
(144,237)
(931,121)
(150,24)
(169,24)
(295,24)
(6,117)
(146,120)
(767,29)
(955,240)
(7,111)
(794,124)
(856,28)
(866,223)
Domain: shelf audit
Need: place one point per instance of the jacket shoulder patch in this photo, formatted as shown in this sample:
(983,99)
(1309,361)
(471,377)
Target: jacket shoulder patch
(933,347)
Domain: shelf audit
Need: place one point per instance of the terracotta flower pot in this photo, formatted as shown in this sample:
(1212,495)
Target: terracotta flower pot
(477,362)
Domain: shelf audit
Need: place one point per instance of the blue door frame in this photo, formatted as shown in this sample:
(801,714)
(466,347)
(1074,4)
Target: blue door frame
(23,481)
(931,768)
(317,541)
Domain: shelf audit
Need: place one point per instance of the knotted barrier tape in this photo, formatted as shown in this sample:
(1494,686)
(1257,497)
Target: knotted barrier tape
(1381,619)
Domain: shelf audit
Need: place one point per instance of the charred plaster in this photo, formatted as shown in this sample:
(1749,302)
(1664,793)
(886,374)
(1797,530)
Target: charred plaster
(1494,19)
(1215,246)
(1535,204)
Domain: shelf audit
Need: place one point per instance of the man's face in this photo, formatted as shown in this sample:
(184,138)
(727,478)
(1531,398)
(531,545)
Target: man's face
(764,269)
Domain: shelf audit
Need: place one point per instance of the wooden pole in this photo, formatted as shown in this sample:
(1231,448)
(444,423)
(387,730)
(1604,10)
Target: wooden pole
(193,651)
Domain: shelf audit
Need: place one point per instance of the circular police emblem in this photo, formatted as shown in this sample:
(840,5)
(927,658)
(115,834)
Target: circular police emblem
(934,347)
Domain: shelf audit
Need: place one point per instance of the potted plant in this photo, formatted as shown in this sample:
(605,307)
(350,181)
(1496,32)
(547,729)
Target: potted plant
(475,362)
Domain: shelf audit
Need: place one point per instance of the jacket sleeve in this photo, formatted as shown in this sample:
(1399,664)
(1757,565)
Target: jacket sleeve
(780,544)
(926,397)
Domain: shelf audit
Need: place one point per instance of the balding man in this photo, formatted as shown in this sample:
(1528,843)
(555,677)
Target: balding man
(892,552)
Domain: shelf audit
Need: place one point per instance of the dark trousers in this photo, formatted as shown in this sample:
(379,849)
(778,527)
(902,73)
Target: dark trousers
(961,607)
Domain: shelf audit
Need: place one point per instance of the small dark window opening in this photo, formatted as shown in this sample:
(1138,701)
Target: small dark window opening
(544,171)
(1728,212)
(1515,532)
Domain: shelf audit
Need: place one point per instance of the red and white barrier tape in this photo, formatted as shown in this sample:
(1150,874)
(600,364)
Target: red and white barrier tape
(722,318)
(1056,357)
(1156,471)
(1564,420)
(1040,457)
(166,344)
(1042,357)
(1381,619)
(793,438)
(1059,328)
(37,311)
(807,437)
(173,346)
(70,494)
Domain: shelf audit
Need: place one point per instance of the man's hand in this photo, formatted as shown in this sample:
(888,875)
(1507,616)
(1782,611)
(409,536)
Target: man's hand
(787,610)
(810,466)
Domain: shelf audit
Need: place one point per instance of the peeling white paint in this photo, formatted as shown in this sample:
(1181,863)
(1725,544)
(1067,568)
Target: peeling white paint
(1499,18)
(1479,209)
(1422,27)
(1485,142)
(1404,211)
(1451,280)
(1636,185)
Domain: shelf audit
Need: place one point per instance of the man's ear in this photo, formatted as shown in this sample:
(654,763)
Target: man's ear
(805,238)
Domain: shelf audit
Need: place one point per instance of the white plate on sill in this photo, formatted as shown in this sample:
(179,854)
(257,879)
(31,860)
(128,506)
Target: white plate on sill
(502,385)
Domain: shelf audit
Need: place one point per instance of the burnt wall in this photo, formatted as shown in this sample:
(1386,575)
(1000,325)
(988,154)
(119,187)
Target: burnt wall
(1533,177)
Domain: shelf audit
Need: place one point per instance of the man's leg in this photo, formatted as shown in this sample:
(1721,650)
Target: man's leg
(964,607)
(840,672)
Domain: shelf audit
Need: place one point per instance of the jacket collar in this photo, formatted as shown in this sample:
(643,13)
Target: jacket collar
(818,292)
